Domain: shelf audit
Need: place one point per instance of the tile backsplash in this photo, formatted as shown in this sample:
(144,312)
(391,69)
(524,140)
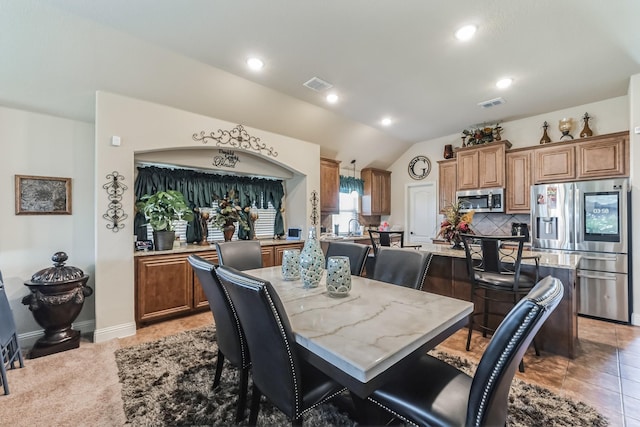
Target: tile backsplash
(496,223)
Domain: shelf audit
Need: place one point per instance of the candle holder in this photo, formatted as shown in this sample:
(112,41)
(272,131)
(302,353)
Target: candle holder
(565,126)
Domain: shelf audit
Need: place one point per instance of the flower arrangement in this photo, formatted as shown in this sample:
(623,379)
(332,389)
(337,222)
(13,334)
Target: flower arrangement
(229,212)
(454,223)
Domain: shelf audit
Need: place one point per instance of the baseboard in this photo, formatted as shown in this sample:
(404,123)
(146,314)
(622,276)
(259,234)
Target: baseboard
(28,339)
(118,331)
(635,319)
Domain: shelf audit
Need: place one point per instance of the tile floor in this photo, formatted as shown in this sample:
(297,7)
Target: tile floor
(605,374)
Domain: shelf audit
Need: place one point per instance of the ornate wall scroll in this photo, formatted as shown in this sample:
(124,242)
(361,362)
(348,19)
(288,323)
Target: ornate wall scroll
(236,138)
(115,189)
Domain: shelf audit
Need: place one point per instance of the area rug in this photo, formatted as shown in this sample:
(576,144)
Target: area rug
(168,382)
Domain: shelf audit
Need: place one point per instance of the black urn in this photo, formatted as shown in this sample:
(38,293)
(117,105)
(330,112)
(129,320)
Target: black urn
(56,299)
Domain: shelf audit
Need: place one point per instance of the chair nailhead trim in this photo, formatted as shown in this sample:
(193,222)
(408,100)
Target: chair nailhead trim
(392,412)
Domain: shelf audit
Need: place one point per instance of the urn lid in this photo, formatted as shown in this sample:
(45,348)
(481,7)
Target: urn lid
(59,273)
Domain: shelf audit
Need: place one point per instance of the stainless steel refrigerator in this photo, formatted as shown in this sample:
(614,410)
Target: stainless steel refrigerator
(590,218)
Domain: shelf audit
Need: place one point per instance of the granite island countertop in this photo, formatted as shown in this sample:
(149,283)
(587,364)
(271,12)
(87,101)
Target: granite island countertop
(556,259)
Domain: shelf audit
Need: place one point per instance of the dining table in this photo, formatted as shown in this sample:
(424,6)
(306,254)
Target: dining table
(375,332)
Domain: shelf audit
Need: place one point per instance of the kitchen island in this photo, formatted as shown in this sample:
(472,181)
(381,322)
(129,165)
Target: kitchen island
(559,335)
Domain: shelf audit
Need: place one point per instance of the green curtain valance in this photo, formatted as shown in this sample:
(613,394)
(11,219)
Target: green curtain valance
(349,184)
(201,189)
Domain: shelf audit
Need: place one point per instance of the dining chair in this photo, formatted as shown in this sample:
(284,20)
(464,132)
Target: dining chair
(356,252)
(240,254)
(278,372)
(385,238)
(9,347)
(435,393)
(494,268)
(230,338)
(402,267)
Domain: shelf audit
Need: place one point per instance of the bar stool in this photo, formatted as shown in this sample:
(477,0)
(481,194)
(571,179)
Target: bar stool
(494,268)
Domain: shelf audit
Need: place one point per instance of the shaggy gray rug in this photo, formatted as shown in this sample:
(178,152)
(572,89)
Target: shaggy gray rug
(168,382)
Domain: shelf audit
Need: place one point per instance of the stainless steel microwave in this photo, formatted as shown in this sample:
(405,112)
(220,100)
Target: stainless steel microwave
(483,200)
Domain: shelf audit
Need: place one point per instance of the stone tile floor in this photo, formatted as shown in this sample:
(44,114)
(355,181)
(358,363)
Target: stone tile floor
(605,374)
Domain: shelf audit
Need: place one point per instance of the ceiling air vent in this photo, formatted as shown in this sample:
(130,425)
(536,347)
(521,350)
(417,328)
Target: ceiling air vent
(317,84)
(491,103)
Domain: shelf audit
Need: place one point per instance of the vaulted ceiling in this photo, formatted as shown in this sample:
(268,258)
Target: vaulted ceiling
(384,58)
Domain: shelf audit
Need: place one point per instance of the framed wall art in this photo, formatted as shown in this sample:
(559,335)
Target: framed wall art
(43,195)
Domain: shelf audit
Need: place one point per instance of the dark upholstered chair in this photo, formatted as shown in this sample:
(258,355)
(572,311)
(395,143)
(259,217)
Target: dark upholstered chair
(278,373)
(357,254)
(402,267)
(494,268)
(232,344)
(437,394)
(240,254)
(9,347)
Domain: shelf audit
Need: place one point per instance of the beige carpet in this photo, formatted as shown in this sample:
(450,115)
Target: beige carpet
(74,388)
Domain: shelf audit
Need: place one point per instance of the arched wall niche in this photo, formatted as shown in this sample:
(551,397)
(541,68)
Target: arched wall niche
(150,131)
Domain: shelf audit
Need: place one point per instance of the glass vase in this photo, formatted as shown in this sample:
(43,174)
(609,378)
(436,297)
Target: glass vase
(311,261)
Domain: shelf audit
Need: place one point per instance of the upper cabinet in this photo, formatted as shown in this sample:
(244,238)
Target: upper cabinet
(482,166)
(329,186)
(377,192)
(447,183)
(603,157)
(518,181)
(555,163)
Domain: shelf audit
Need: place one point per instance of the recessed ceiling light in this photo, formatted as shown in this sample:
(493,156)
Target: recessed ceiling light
(386,121)
(255,64)
(504,83)
(332,98)
(466,33)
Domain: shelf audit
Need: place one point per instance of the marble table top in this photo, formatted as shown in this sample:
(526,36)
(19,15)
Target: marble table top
(371,329)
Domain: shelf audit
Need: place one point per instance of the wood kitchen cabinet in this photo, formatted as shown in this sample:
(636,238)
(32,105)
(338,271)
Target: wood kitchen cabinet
(447,183)
(376,199)
(166,285)
(555,163)
(329,186)
(518,181)
(603,156)
(482,166)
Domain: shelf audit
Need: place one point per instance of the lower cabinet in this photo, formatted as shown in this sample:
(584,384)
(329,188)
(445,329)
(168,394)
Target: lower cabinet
(166,286)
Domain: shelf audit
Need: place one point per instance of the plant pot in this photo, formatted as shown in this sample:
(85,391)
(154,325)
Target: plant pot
(163,240)
(228,231)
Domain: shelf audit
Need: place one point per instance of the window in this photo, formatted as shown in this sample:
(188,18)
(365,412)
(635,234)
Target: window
(348,211)
(264,225)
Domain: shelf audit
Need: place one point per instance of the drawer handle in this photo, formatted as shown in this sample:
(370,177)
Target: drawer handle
(593,276)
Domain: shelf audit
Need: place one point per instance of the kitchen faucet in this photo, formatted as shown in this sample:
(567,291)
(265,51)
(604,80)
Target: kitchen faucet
(350,233)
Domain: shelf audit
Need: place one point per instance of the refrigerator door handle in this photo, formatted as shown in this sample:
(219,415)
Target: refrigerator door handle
(577,212)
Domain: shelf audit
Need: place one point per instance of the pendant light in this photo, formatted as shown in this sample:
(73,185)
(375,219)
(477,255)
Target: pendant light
(354,193)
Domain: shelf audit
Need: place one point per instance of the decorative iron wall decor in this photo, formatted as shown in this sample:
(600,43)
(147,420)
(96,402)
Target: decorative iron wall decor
(237,138)
(115,189)
(314,208)
(43,195)
(227,158)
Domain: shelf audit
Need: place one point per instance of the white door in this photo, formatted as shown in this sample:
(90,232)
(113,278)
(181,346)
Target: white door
(421,221)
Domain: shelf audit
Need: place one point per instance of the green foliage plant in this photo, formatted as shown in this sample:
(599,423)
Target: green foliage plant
(164,207)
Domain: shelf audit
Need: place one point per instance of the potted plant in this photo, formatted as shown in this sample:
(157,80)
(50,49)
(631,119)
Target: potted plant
(161,209)
(227,214)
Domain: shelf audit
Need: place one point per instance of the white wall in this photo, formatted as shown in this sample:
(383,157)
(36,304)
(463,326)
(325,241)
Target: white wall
(145,127)
(37,144)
